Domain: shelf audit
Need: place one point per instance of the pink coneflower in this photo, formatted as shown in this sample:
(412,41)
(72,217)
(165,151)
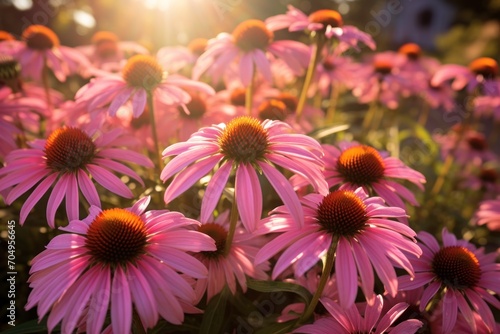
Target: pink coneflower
(481,71)
(333,70)
(107,51)
(10,76)
(489,214)
(468,147)
(118,260)
(202,110)
(177,58)
(380,79)
(66,160)
(247,145)
(40,47)
(484,179)
(489,103)
(355,165)
(366,239)
(459,274)
(461,326)
(351,320)
(229,268)
(416,62)
(441,96)
(18,116)
(277,109)
(412,298)
(326,21)
(251,44)
(142,75)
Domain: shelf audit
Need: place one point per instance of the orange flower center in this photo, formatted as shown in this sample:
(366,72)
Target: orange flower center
(411,50)
(361,165)
(106,43)
(39,37)
(289,100)
(143,71)
(273,109)
(457,267)
(485,66)
(69,149)
(252,34)
(342,213)
(244,140)
(197,108)
(219,234)
(382,66)
(116,236)
(5,36)
(327,17)
(9,68)
(237,97)
(198,45)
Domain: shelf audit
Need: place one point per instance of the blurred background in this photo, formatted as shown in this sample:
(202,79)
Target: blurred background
(454,30)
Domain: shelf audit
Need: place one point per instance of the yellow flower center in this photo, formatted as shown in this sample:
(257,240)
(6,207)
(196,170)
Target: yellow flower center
(237,97)
(411,50)
(143,71)
(327,17)
(198,45)
(116,236)
(485,66)
(106,43)
(342,213)
(68,150)
(244,140)
(39,37)
(252,34)
(273,109)
(5,36)
(382,66)
(457,267)
(289,100)
(361,165)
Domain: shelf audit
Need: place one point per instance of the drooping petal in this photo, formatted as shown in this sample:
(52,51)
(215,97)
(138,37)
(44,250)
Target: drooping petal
(121,302)
(248,196)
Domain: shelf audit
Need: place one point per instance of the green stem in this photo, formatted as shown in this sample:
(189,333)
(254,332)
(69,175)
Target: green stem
(442,175)
(154,133)
(318,47)
(332,106)
(370,114)
(394,135)
(325,276)
(46,84)
(424,115)
(232,225)
(249,95)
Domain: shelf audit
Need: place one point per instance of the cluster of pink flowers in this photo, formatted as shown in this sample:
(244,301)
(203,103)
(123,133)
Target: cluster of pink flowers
(194,175)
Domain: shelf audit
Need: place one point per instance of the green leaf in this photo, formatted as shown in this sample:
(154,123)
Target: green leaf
(327,131)
(31,326)
(272,286)
(214,316)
